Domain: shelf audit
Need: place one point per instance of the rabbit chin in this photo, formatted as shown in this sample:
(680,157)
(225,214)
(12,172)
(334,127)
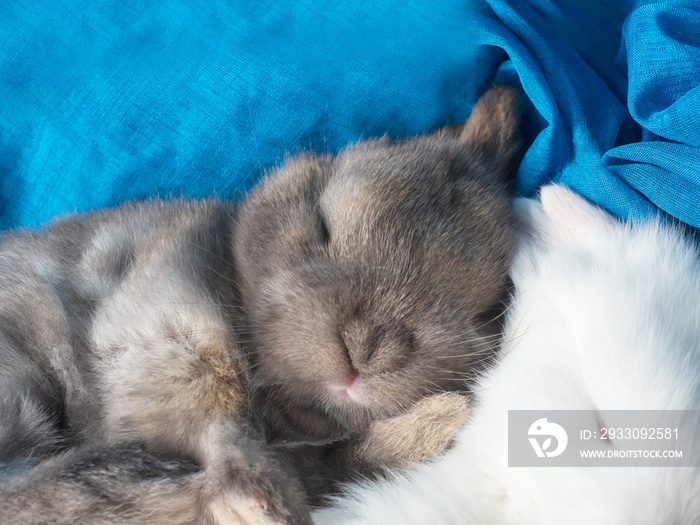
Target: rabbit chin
(352,414)
(355,405)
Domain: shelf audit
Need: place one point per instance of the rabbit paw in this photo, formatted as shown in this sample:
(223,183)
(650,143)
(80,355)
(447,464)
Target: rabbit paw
(418,435)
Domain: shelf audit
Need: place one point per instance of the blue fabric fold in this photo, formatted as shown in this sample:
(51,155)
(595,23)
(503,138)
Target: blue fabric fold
(661,52)
(109,101)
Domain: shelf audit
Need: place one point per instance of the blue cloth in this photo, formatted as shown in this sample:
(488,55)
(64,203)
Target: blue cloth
(109,100)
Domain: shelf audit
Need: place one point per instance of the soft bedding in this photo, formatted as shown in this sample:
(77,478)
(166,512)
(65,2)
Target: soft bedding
(107,100)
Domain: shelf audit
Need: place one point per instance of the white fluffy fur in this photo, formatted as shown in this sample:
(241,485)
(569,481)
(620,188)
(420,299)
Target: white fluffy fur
(606,316)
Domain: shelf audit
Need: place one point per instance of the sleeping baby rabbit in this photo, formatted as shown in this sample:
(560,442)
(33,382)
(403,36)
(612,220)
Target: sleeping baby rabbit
(179,362)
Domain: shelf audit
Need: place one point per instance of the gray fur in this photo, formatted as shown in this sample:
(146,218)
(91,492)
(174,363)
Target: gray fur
(220,336)
(119,484)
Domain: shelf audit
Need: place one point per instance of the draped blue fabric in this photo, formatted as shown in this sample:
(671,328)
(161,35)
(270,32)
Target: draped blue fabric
(111,100)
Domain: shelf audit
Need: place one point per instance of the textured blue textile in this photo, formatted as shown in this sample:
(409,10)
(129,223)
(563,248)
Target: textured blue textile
(108,100)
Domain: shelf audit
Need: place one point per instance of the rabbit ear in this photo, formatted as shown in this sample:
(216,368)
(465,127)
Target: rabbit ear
(572,215)
(561,217)
(493,128)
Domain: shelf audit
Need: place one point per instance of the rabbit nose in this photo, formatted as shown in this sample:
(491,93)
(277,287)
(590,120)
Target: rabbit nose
(351,386)
(373,348)
(360,342)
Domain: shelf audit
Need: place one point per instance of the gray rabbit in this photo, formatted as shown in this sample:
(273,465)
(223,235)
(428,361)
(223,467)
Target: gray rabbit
(202,362)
